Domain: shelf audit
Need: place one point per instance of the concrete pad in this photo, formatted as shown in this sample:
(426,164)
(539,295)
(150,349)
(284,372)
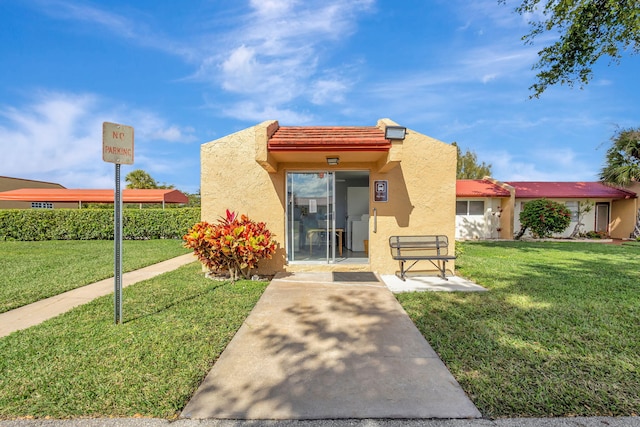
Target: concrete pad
(324,350)
(430,283)
(39,311)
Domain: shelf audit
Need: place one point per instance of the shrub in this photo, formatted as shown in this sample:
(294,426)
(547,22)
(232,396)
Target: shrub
(544,217)
(95,224)
(233,244)
(595,235)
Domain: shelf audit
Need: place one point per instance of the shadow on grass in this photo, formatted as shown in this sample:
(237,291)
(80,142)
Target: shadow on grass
(176,302)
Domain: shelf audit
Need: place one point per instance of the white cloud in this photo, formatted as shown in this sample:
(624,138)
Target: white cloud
(328,91)
(122,26)
(273,53)
(150,127)
(558,164)
(46,136)
(58,137)
(276,54)
(272,8)
(256,112)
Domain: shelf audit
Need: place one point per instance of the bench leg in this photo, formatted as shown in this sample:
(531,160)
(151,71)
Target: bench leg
(403,271)
(442,268)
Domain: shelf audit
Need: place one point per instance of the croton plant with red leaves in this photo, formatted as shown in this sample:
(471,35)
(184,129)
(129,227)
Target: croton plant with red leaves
(234,244)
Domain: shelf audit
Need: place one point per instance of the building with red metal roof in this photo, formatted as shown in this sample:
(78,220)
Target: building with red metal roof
(487,208)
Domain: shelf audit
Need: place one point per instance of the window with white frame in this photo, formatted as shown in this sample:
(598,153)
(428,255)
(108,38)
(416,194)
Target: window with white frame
(41,205)
(470,207)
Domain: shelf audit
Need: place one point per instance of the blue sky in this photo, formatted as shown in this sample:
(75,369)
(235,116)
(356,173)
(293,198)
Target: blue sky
(185,73)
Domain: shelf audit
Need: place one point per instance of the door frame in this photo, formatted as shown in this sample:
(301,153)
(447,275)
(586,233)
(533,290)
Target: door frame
(294,236)
(597,216)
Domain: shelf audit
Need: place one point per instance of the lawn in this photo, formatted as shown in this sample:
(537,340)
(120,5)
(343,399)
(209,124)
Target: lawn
(30,271)
(558,333)
(80,364)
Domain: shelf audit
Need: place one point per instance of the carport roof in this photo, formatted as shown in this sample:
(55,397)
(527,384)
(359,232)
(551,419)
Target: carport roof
(93,196)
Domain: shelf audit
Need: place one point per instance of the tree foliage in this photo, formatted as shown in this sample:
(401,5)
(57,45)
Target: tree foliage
(623,158)
(588,30)
(142,180)
(544,217)
(468,166)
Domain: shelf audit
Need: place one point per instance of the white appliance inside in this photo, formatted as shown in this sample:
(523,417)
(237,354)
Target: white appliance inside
(352,208)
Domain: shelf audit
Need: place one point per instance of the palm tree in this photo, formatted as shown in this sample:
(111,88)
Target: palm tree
(623,163)
(140,179)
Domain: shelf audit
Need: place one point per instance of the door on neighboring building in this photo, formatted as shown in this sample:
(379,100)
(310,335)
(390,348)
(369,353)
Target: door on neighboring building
(311,230)
(602,217)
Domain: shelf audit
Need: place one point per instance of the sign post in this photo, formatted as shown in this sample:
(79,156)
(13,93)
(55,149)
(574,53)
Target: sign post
(117,147)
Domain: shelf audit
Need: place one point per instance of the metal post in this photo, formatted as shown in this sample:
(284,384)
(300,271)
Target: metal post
(117,238)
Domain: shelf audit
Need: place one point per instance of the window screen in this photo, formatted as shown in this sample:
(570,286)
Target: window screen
(476,207)
(470,207)
(573,207)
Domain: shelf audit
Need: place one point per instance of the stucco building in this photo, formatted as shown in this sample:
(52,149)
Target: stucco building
(489,209)
(333,195)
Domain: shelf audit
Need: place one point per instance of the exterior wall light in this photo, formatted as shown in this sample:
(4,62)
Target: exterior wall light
(395,132)
(333,161)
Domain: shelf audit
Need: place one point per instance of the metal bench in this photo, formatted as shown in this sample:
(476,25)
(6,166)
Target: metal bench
(421,248)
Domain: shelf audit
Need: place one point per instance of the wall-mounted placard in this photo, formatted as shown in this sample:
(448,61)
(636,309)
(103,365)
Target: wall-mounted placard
(381,191)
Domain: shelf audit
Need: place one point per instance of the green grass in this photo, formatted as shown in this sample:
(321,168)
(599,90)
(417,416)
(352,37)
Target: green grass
(558,333)
(82,365)
(31,271)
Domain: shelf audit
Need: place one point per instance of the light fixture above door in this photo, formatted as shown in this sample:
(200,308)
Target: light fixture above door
(333,161)
(395,132)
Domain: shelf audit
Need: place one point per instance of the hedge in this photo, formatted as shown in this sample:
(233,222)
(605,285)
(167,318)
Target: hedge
(95,224)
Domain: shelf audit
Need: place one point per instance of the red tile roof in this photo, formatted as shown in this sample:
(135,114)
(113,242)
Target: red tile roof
(569,190)
(93,196)
(324,138)
(479,188)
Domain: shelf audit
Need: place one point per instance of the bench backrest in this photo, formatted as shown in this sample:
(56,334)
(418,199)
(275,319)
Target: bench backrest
(419,245)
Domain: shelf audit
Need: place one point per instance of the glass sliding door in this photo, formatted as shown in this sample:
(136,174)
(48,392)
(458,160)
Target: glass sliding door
(311,216)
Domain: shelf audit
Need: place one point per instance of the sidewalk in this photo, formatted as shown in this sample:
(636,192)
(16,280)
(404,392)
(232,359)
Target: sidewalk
(504,422)
(317,347)
(38,312)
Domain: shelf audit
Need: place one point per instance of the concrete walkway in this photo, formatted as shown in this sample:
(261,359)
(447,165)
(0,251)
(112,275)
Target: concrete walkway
(317,349)
(38,312)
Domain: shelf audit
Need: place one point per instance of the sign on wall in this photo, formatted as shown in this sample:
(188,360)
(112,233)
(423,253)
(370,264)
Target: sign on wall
(381,191)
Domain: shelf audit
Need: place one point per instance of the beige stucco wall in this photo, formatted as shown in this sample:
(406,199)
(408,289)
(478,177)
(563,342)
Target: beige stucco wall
(238,174)
(232,179)
(624,214)
(422,197)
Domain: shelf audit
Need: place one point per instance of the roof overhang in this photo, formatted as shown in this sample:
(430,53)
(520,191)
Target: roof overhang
(312,145)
